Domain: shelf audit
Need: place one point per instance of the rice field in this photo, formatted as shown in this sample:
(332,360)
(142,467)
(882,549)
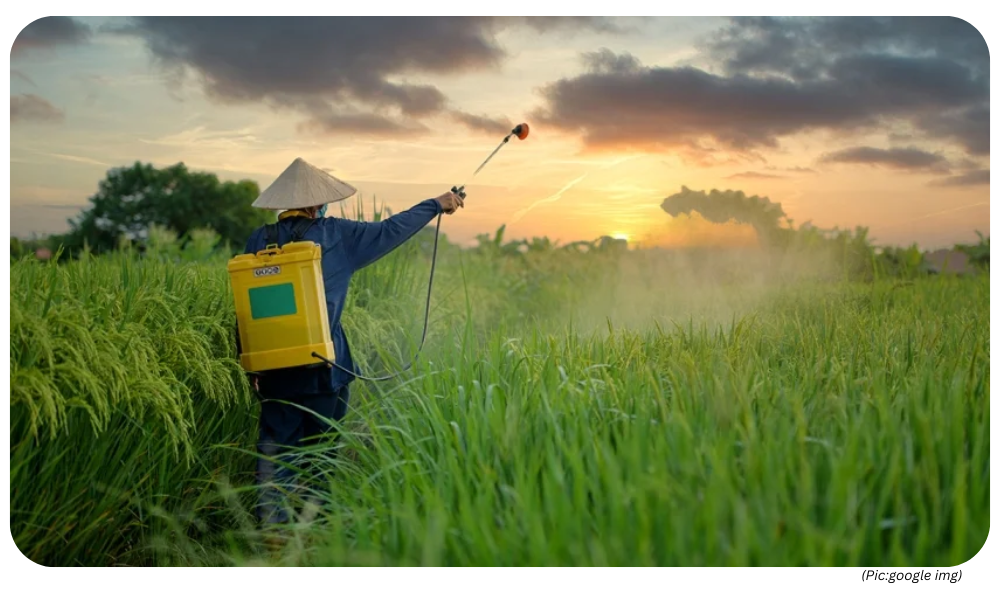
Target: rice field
(571,408)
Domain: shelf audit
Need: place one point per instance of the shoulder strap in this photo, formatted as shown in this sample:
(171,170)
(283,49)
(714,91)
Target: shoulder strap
(301,227)
(270,234)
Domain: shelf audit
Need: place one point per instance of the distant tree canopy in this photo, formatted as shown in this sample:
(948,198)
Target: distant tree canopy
(979,254)
(131,200)
(775,231)
(721,207)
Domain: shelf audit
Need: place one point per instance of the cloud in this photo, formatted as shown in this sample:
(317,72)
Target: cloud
(371,125)
(805,48)
(606,61)
(907,159)
(967,179)
(784,77)
(29,107)
(482,123)
(754,175)
(969,127)
(49,32)
(346,74)
(793,169)
(661,108)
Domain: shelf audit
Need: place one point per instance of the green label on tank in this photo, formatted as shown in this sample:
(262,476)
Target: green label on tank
(272,301)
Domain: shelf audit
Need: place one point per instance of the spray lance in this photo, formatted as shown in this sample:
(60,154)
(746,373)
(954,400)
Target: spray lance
(521,132)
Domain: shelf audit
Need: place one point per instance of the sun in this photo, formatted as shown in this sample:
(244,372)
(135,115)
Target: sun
(618,235)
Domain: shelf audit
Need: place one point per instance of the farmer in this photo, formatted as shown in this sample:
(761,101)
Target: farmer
(291,396)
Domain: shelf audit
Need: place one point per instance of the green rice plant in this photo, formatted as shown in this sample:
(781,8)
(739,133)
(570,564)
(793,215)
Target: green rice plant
(123,383)
(832,426)
(129,411)
(573,406)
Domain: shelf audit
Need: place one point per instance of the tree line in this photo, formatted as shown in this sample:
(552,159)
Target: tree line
(133,202)
(138,205)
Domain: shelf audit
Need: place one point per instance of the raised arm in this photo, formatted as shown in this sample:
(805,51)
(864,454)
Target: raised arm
(367,242)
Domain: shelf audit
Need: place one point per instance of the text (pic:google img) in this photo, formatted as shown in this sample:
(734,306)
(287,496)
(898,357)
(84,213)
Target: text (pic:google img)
(910,576)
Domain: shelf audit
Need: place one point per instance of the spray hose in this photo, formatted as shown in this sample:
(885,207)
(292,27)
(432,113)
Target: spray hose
(423,335)
(521,131)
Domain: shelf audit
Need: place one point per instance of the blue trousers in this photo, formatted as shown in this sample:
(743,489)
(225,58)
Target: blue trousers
(286,426)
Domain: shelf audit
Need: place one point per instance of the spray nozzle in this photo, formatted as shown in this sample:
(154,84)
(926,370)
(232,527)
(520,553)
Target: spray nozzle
(521,131)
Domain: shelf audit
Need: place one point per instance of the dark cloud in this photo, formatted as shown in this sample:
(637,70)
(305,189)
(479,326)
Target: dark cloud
(966,164)
(968,127)
(29,107)
(371,125)
(344,72)
(606,61)
(806,48)
(546,24)
(783,77)
(483,123)
(968,179)
(754,175)
(908,159)
(656,108)
(49,32)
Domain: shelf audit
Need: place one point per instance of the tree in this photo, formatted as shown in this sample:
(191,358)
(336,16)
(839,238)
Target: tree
(130,200)
(731,205)
(16,248)
(979,254)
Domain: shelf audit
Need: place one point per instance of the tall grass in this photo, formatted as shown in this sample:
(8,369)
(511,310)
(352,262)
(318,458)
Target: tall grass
(836,426)
(124,386)
(132,424)
(573,406)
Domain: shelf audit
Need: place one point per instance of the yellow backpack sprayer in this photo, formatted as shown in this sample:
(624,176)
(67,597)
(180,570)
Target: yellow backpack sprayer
(281,302)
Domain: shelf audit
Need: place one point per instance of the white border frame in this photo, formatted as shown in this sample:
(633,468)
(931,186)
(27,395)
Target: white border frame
(23,577)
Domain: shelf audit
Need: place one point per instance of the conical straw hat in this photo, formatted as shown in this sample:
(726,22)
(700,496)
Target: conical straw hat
(301,186)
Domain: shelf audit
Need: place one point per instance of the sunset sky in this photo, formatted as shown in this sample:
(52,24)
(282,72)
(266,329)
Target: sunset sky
(845,122)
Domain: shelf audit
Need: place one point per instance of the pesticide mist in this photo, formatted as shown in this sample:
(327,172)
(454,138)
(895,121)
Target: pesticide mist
(808,401)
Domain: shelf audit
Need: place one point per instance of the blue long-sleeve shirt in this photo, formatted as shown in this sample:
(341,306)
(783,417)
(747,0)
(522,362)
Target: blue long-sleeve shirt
(347,246)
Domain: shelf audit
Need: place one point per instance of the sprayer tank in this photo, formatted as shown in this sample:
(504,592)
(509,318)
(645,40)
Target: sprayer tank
(281,307)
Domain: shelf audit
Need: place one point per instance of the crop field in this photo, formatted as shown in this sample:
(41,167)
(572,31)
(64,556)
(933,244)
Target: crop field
(573,406)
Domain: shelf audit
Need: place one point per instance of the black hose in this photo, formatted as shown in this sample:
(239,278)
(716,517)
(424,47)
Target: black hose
(423,336)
